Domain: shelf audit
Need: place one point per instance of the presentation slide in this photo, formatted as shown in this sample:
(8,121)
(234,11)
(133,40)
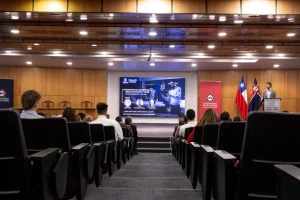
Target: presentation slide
(152,96)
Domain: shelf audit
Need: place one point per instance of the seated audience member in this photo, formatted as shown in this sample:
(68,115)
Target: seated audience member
(123,125)
(209,117)
(89,118)
(70,115)
(225,116)
(128,121)
(181,122)
(82,117)
(102,119)
(42,114)
(185,121)
(190,114)
(107,116)
(237,119)
(30,103)
(78,118)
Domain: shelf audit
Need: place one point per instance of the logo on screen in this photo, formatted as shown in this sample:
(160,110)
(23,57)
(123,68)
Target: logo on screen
(210,98)
(2,93)
(125,81)
(127,103)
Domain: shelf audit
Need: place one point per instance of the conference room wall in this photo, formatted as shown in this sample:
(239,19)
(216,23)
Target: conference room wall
(114,92)
(59,84)
(285,82)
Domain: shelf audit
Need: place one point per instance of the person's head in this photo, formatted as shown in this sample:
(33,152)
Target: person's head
(102,108)
(181,121)
(225,116)
(237,119)
(190,114)
(82,116)
(269,85)
(107,116)
(78,118)
(185,119)
(119,119)
(172,83)
(209,117)
(69,114)
(30,100)
(128,120)
(89,118)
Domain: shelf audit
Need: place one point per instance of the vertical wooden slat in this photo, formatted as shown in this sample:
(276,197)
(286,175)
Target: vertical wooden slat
(3,72)
(76,82)
(27,79)
(119,6)
(52,81)
(40,80)
(288,7)
(189,6)
(154,6)
(278,82)
(84,6)
(258,7)
(290,84)
(228,84)
(225,7)
(64,81)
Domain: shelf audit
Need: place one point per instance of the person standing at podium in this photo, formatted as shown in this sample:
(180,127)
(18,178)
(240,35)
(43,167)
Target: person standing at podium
(269,93)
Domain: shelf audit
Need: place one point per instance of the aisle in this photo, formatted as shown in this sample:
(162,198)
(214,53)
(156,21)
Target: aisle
(146,177)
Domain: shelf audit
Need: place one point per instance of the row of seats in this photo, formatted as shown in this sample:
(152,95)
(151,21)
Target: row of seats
(47,159)
(256,160)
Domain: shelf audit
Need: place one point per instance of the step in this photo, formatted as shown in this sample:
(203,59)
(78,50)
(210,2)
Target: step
(154,150)
(153,144)
(154,139)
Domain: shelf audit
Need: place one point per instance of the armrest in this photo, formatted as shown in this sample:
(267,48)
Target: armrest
(206,171)
(288,171)
(182,140)
(195,145)
(225,175)
(80,146)
(90,162)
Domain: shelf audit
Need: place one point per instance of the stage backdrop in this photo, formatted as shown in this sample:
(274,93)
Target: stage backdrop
(6,93)
(210,96)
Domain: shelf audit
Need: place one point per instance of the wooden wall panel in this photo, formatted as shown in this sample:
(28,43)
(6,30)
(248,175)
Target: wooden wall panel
(100,80)
(258,7)
(16,74)
(40,79)
(50,5)
(16,5)
(64,81)
(289,105)
(53,98)
(265,76)
(216,76)
(278,82)
(189,6)
(298,84)
(223,6)
(288,7)
(76,101)
(88,82)
(76,82)
(290,84)
(204,75)
(27,79)
(84,6)
(228,84)
(100,99)
(52,81)
(90,99)
(154,6)
(119,6)
(3,72)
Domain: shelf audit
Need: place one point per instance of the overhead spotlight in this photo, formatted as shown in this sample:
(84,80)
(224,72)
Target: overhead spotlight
(235,15)
(222,18)
(269,47)
(15,31)
(200,54)
(280,55)
(28,14)
(14,17)
(235,65)
(152,64)
(29,48)
(172,17)
(211,17)
(111,14)
(194,65)
(110,63)
(56,52)
(276,66)
(211,46)
(278,17)
(94,45)
(195,16)
(83,32)
(104,53)
(8,52)
(291,34)
(291,19)
(222,34)
(36,44)
(246,61)
(238,21)
(69,63)
(152,33)
(83,17)
(69,20)
(270,17)
(29,63)
(70,14)
(248,55)
(153,19)
(172,46)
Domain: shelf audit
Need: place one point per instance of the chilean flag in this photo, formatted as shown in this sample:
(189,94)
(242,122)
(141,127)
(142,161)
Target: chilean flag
(241,99)
(255,97)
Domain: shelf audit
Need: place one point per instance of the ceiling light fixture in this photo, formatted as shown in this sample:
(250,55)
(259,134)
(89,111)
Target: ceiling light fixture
(172,46)
(222,34)
(56,52)
(269,47)
(153,19)
(8,52)
(235,65)
(291,19)
(222,18)
(110,63)
(14,17)
(94,45)
(15,31)
(238,21)
(104,53)
(211,46)
(291,34)
(248,55)
(69,63)
(246,61)
(111,14)
(36,44)
(211,17)
(235,15)
(194,65)
(152,64)
(270,17)
(280,55)
(29,48)
(69,20)
(83,32)
(195,16)
(152,33)
(70,14)
(29,63)
(201,54)
(276,66)
(83,17)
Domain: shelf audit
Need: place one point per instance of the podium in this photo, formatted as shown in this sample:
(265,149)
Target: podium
(272,105)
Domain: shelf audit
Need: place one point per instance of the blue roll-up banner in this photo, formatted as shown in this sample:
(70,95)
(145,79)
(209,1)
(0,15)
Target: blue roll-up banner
(6,93)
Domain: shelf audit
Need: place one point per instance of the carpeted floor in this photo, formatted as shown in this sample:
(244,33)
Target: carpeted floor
(146,177)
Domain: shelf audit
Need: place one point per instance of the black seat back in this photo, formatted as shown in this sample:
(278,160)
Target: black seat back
(188,131)
(269,138)
(125,132)
(46,133)
(210,135)
(109,133)
(79,132)
(198,133)
(97,133)
(231,136)
(14,181)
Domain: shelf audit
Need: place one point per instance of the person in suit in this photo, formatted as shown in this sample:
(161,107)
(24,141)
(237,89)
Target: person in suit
(128,121)
(269,93)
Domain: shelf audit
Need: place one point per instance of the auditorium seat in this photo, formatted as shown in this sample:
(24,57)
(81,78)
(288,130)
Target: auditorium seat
(53,133)
(183,147)
(128,149)
(23,176)
(80,133)
(288,182)
(270,138)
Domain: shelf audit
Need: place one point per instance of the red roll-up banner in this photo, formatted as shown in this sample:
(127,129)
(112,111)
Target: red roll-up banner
(210,96)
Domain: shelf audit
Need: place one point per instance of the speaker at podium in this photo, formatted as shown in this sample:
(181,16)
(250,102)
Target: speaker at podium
(272,105)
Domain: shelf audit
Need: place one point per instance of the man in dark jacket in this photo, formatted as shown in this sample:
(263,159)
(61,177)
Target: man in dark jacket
(128,121)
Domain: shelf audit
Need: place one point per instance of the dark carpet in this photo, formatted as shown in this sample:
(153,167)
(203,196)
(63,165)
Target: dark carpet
(146,177)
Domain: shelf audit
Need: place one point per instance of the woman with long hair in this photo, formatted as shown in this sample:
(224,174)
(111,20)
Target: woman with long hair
(70,115)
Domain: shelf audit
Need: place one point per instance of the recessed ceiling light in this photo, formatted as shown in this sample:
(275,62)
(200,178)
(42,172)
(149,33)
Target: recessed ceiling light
(291,19)
(152,33)
(94,45)
(211,46)
(152,64)
(246,61)
(83,17)
(276,65)
(291,34)
(15,17)
(236,15)
(110,63)
(104,53)
(69,20)
(56,52)
(14,31)
(222,18)
(235,65)
(269,47)
(70,14)
(172,46)
(28,13)
(201,54)
(69,63)
(248,55)
(238,21)
(29,63)
(270,17)
(29,48)
(172,17)
(153,19)
(195,16)
(111,14)
(280,55)
(194,65)
(278,17)
(8,51)
(222,34)
(211,17)
(83,32)
(36,44)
